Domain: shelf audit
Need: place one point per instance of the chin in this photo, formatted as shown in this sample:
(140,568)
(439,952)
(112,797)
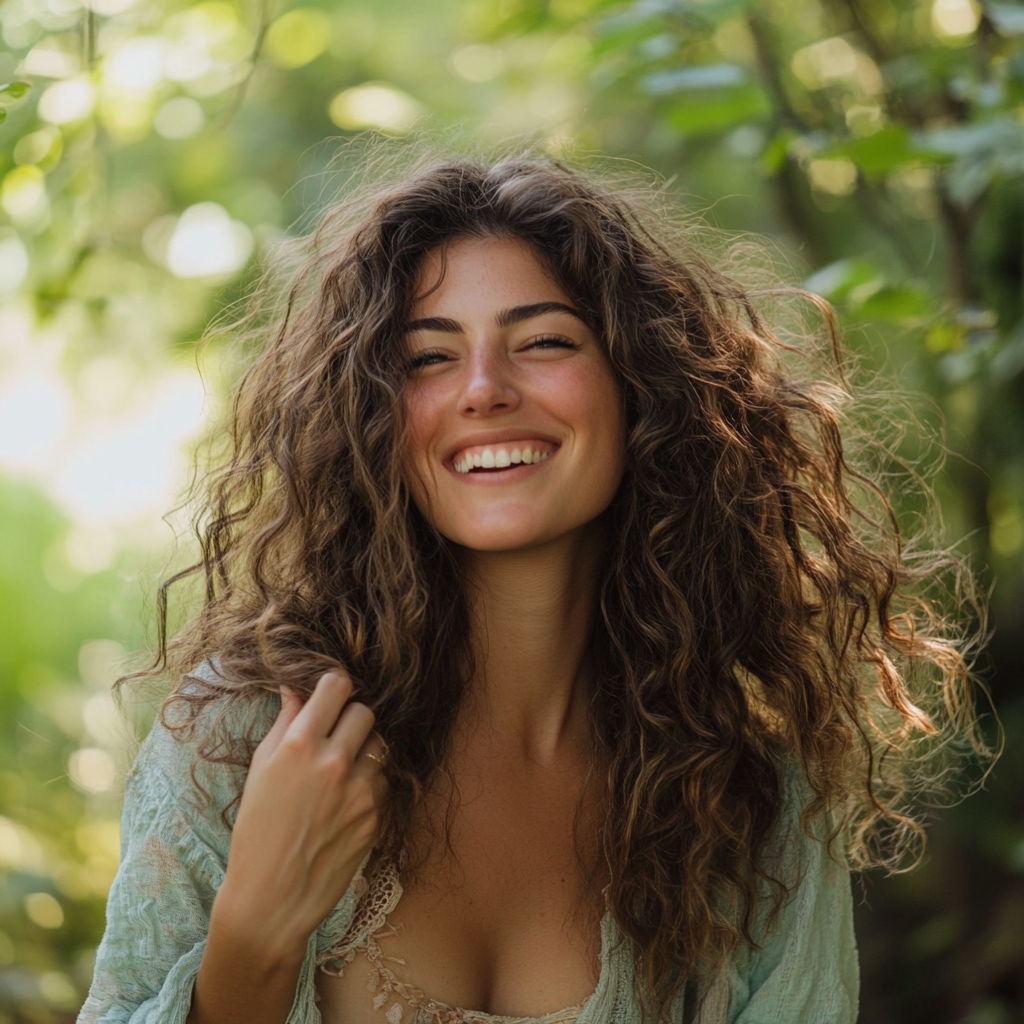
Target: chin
(517,536)
(496,542)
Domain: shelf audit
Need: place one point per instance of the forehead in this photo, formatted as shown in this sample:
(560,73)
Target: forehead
(481,275)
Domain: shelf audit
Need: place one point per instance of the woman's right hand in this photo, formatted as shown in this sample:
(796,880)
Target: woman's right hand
(309,814)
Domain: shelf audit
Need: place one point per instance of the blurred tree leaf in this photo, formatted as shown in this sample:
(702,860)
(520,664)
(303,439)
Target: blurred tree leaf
(836,281)
(894,303)
(888,149)
(707,76)
(1007,18)
(714,111)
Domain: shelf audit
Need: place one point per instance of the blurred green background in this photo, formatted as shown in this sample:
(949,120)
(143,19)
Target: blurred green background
(149,151)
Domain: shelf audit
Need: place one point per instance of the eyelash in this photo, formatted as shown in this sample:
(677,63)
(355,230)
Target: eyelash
(418,362)
(554,340)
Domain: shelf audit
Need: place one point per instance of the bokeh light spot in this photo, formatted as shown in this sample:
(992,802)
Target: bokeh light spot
(823,62)
(125,469)
(23,192)
(955,18)
(179,118)
(13,262)
(44,910)
(100,662)
(57,990)
(374,105)
(134,66)
(67,101)
(92,770)
(103,720)
(298,37)
(207,243)
(836,177)
(50,60)
(477,62)
(19,848)
(90,549)
(10,843)
(100,840)
(34,410)
(43,146)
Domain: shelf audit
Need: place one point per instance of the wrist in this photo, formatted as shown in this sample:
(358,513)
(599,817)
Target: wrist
(266,941)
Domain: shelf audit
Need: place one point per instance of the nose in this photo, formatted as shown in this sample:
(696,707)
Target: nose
(488,387)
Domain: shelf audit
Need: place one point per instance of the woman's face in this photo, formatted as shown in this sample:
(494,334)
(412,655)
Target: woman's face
(516,428)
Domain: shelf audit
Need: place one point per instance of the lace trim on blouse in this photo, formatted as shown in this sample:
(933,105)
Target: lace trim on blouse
(377,899)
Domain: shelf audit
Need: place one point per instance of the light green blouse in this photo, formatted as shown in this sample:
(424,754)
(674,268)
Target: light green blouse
(175,844)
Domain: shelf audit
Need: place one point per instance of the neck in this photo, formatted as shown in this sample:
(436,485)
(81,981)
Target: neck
(532,613)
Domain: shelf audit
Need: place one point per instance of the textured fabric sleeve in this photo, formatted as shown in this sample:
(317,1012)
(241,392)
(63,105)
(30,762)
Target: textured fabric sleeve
(157,912)
(159,905)
(806,971)
(174,847)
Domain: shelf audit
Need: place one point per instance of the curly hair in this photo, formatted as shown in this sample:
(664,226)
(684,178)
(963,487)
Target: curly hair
(759,608)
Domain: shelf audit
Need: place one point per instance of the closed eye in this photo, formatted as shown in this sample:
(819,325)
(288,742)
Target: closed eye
(422,359)
(552,341)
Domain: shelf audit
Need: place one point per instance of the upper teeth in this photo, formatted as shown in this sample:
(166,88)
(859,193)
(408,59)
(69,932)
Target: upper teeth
(499,458)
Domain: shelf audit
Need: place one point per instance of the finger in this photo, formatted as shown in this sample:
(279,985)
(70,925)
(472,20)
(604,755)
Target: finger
(371,754)
(353,729)
(291,705)
(320,713)
(370,762)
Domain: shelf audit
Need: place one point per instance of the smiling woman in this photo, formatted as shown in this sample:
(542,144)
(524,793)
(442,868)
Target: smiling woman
(551,648)
(516,380)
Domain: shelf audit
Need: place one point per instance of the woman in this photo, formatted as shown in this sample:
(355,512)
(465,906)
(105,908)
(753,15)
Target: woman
(532,498)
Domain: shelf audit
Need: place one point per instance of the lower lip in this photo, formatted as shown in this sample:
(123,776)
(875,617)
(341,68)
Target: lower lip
(501,476)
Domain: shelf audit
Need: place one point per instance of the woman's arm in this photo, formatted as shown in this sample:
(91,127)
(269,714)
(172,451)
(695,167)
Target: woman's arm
(185,905)
(242,980)
(307,818)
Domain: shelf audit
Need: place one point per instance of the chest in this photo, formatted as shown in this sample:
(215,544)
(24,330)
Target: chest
(502,921)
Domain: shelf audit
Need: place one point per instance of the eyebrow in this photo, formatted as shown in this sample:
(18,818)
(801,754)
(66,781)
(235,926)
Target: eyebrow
(506,318)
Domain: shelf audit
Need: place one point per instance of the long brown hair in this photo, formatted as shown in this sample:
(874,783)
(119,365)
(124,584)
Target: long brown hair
(758,608)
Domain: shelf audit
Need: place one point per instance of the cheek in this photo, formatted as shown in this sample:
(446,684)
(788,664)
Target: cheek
(590,400)
(422,418)
(574,391)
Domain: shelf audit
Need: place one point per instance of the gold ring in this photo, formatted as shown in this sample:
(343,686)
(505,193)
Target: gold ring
(382,760)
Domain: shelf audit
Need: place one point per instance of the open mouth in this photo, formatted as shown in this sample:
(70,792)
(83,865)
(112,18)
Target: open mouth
(493,458)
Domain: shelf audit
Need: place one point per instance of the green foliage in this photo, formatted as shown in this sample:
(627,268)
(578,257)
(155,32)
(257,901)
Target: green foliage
(58,838)
(163,145)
